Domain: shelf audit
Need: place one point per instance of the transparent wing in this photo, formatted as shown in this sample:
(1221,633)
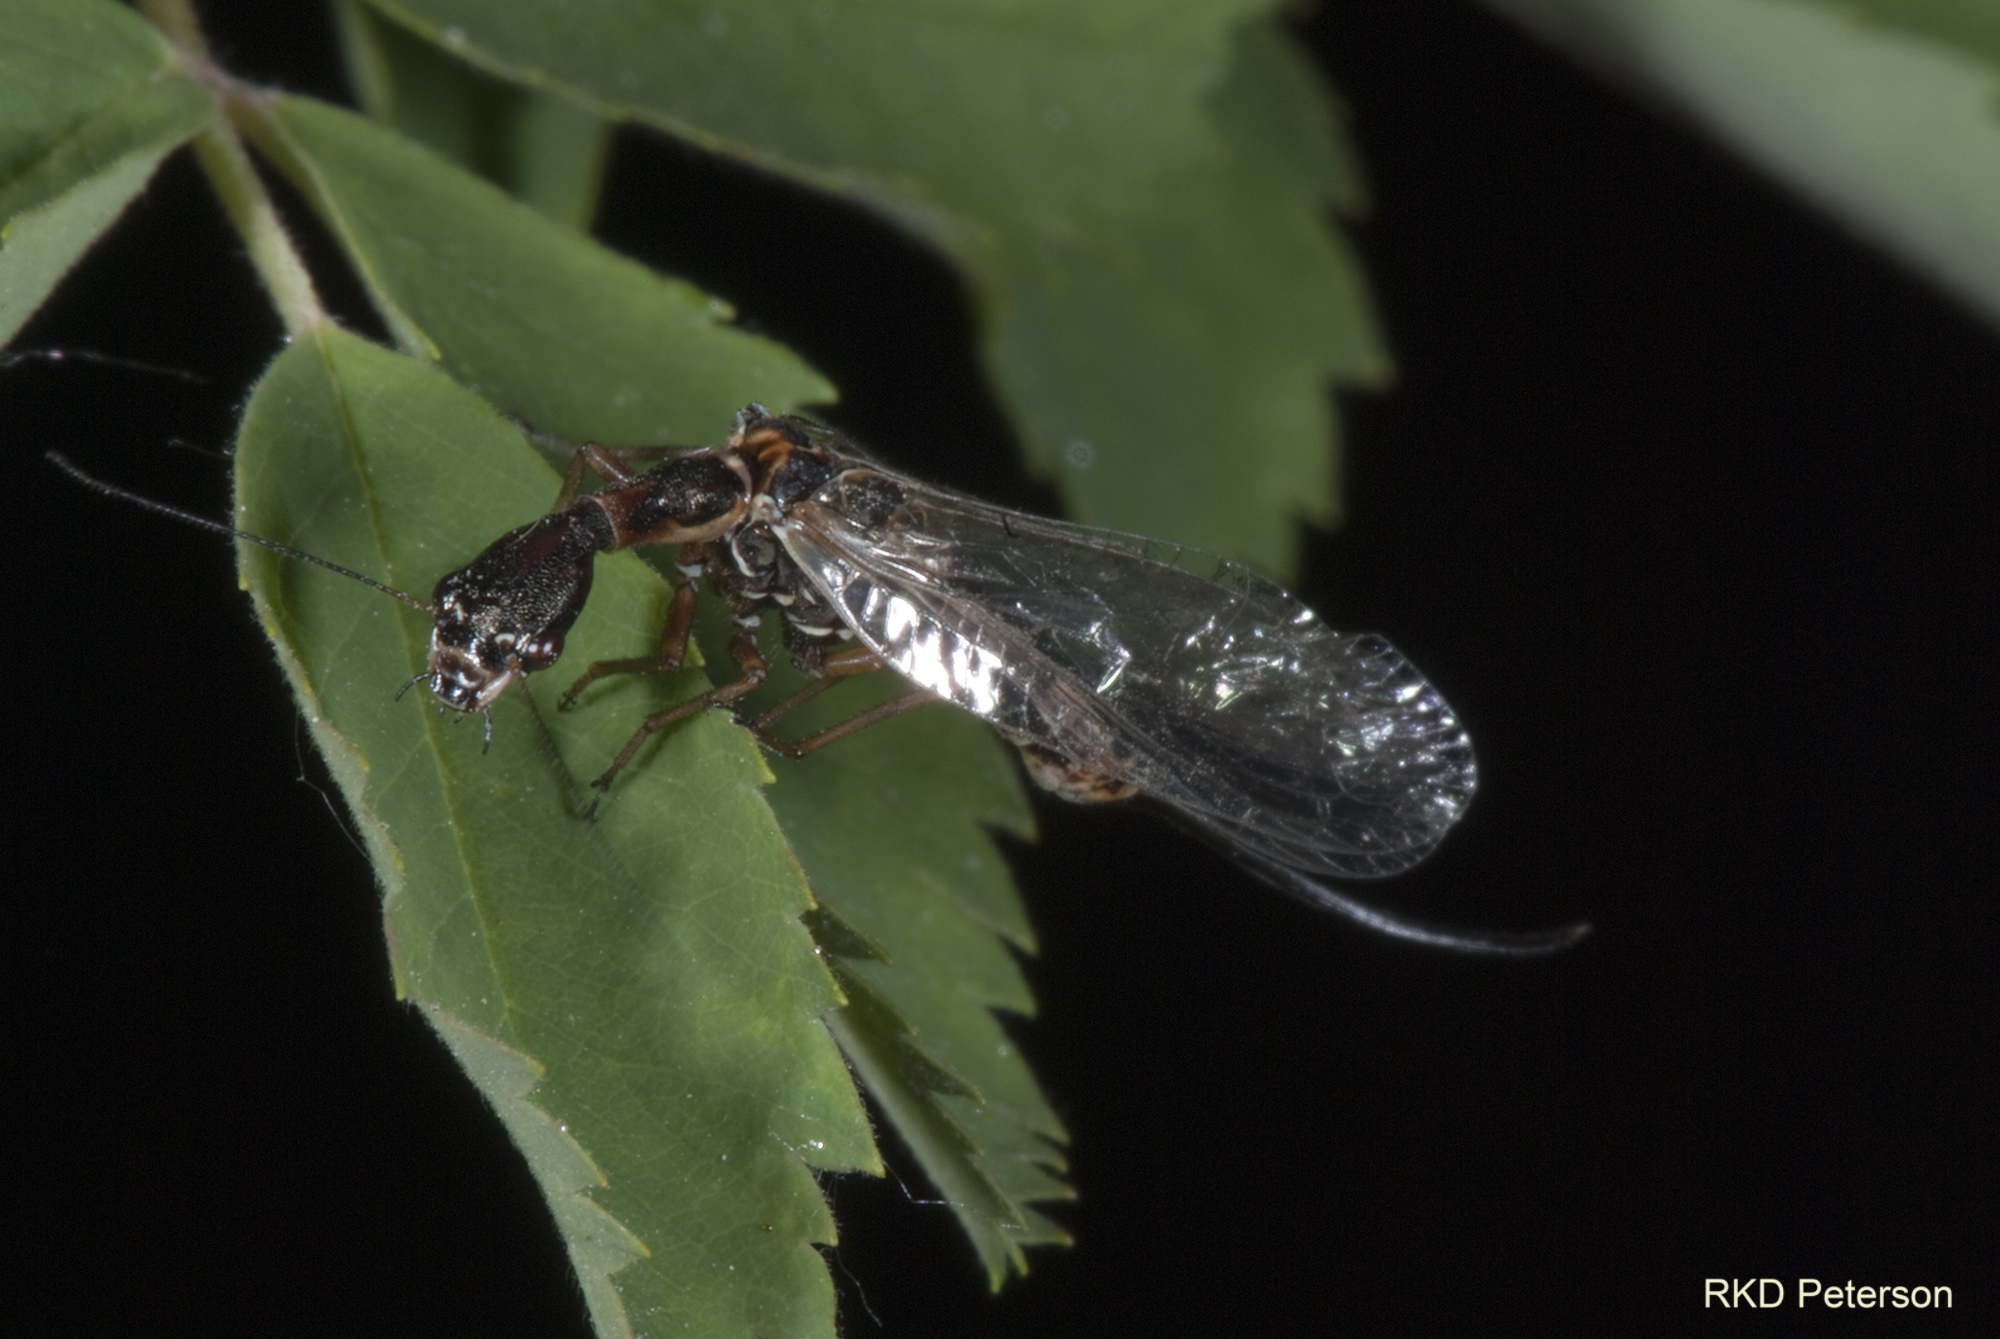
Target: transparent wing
(1163,668)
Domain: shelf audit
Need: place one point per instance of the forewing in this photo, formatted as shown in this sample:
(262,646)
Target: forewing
(1208,687)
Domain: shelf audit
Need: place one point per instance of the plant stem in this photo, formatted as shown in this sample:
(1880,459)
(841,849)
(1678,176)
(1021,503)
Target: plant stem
(223,158)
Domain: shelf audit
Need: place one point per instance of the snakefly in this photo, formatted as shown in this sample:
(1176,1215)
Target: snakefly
(1119,667)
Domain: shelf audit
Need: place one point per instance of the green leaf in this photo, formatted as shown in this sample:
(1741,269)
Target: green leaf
(537,318)
(1134,191)
(635,995)
(1234,288)
(890,824)
(1884,113)
(546,151)
(559,330)
(89,105)
(1973,26)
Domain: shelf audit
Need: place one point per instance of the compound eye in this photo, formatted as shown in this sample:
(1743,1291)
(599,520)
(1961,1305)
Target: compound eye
(542,652)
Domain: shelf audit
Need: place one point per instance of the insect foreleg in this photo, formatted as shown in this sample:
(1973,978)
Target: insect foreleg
(610,462)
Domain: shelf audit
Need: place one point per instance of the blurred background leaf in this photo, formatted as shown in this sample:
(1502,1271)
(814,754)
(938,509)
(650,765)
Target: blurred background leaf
(90,102)
(1885,113)
(1136,196)
(546,151)
(541,320)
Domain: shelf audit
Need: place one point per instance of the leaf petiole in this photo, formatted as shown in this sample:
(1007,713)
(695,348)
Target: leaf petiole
(227,165)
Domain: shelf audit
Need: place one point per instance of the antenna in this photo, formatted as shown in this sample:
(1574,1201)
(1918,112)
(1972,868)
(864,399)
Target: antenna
(69,467)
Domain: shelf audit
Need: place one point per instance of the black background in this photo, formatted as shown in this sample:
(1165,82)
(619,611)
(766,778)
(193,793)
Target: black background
(1683,497)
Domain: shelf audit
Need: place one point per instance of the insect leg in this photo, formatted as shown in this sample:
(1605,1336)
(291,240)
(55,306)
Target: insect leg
(743,650)
(572,480)
(673,648)
(610,462)
(799,748)
(607,464)
(842,664)
(827,669)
